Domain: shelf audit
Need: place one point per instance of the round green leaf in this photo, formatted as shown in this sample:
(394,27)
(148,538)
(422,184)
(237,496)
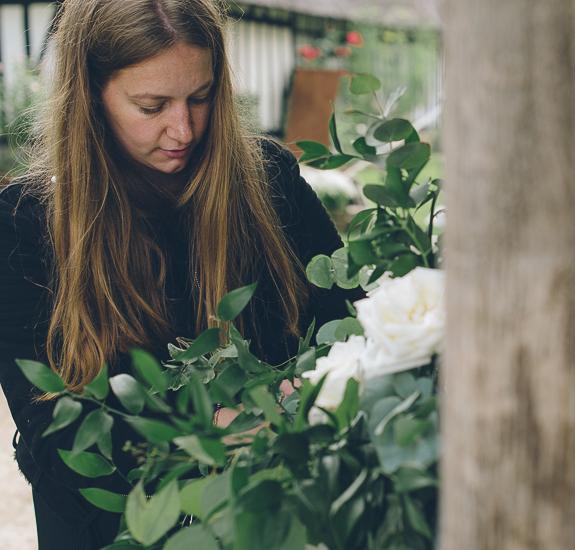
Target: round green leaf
(233,303)
(326,334)
(129,391)
(320,271)
(410,156)
(348,327)
(364,84)
(340,264)
(87,464)
(41,376)
(106,500)
(396,129)
(65,412)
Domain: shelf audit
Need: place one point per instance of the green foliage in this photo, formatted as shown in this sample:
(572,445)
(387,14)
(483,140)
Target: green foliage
(363,476)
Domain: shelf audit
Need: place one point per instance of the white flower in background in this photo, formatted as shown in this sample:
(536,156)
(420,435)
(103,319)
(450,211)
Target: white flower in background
(404,322)
(332,183)
(340,364)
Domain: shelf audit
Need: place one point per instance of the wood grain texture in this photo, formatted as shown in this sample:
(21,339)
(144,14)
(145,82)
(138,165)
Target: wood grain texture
(509,374)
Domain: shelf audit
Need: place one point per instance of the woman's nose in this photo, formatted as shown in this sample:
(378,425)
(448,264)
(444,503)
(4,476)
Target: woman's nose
(180,127)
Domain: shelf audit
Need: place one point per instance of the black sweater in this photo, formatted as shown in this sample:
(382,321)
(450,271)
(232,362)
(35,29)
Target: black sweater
(64,519)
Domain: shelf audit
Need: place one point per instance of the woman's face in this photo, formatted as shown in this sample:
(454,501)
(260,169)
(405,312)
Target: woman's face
(159,109)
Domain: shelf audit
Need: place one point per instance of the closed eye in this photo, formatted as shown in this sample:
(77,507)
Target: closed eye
(150,110)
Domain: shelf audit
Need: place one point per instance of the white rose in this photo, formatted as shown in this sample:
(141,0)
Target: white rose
(340,364)
(404,322)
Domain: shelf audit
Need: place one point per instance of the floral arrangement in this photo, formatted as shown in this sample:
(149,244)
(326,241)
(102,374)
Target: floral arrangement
(331,50)
(349,459)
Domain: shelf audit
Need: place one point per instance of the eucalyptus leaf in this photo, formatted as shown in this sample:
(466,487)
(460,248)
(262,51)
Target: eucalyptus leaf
(340,263)
(410,156)
(331,163)
(395,129)
(320,271)
(362,84)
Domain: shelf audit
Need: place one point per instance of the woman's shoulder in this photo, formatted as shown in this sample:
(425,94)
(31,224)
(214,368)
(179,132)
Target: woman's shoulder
(22,212)
(280,163)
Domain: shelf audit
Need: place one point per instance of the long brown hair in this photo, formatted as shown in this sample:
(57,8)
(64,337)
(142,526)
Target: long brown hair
(109,274)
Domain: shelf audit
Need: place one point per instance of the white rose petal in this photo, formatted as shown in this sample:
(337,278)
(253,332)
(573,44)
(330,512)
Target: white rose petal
(339,365)
(404,322)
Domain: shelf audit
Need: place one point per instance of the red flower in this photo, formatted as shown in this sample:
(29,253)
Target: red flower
(354,38)
(342,51)
(309,52)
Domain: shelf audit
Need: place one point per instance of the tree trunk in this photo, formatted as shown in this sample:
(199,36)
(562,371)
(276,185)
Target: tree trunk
(508,408)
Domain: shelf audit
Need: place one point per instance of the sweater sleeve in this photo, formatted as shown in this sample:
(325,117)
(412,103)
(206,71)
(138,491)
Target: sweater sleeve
(311,231)
(23,305)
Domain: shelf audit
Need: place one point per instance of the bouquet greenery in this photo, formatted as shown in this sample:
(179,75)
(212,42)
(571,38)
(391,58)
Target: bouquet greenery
(349,459)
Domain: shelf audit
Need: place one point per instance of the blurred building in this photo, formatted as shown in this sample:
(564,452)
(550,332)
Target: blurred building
(265,38)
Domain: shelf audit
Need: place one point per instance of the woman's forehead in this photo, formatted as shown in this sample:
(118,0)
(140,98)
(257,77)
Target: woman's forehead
(181,70)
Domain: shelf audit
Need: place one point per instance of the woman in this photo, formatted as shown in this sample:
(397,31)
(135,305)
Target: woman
(145,204)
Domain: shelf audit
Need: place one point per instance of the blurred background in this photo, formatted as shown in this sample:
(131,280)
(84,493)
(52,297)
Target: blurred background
(290,60)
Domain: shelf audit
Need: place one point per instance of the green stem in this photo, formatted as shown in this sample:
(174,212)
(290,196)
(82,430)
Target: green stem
(413,237)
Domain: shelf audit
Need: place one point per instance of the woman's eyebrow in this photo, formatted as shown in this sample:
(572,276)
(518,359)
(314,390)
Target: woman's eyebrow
(204,87)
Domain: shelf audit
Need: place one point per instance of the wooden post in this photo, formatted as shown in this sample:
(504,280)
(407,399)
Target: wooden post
(509,375)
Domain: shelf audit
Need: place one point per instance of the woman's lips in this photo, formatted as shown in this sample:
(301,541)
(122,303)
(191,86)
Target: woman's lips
(176,153)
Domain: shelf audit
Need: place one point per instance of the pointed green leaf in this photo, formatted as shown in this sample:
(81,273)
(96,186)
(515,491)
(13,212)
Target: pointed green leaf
(149,520)
(206,342)
(93,426)
(202,403)
(87,464)
(191,496)
(312,149)
(106,500)
(65,412)
(41,376)
(129,392)
(203,449)
(99,386)
(333,134)
(149,369)
(105,444)
(247,361)
(330,163)
(234,302)
(155,431)
(195,536)
(416,518)
(267,403)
